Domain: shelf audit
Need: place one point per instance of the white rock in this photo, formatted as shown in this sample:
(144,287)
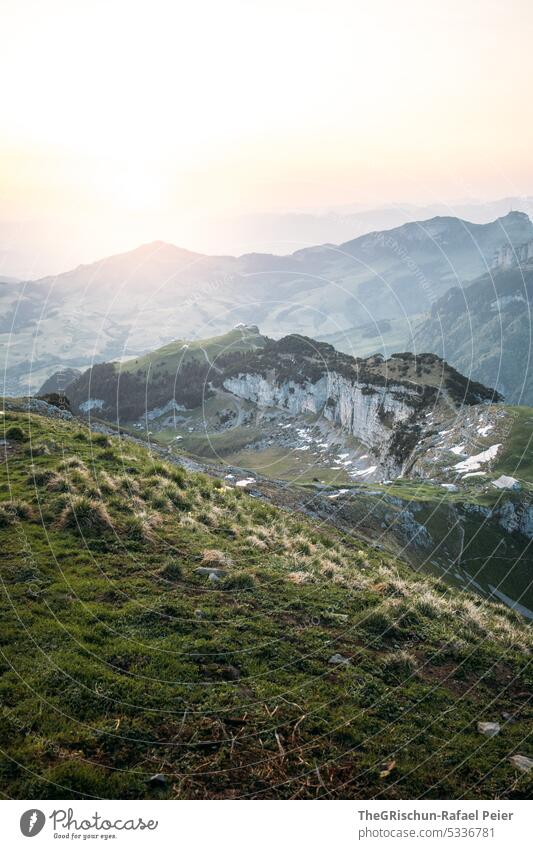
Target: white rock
(506,482)
(339,660)
(489,729)
(522,763)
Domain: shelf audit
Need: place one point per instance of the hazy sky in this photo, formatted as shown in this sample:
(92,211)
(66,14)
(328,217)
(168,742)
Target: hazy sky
(123,122)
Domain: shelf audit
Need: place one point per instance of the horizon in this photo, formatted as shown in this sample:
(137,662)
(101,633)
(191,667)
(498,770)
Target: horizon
(184,249)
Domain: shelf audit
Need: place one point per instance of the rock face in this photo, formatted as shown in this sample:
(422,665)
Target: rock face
(376,416)
(516,517)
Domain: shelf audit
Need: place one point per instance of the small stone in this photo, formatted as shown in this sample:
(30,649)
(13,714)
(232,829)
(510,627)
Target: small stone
(213,578)
(522,763)
(489,729)
(158,780)
(211,570)
(230,673)
(339,660)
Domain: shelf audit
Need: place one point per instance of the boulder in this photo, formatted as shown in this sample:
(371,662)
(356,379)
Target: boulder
(489,729)
(522,763)
(339,660)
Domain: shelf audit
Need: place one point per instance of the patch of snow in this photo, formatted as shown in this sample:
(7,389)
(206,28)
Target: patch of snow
(364,472)
(483,431)
(340,492)
(458,449)
(474,475)
(245,482)
(473,463)
(451,487)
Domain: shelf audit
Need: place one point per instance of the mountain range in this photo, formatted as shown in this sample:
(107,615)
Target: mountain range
(365,295)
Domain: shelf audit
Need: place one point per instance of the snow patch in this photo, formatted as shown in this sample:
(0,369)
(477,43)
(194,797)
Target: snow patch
(471,464)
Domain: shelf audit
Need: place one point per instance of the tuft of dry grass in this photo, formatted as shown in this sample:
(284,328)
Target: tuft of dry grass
(256,542)
(83,514)
(10,511)
(301,577)
(215,557)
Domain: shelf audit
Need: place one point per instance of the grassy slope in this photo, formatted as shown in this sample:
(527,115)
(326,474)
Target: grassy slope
(119,661)
(173,356)
(517,457)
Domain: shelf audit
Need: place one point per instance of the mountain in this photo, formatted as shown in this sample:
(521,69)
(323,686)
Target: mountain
(59,381)
(277,231)
(132,303)
(484,330)
(434,458)
(178,637)
(378,403)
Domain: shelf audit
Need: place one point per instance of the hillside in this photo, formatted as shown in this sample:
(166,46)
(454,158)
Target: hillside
(243,389)
(176,637)
(484,330)
(360,294)
(406,451)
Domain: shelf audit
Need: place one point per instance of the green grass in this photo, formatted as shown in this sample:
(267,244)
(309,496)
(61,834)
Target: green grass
(211,446)
(516,459)
(119,660)
(171,357)
(286,464)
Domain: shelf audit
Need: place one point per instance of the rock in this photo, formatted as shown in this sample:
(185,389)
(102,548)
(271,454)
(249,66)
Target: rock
(211,570)
(489,729)
(213,578)
(339,660)
(506,482)
(198,614)
(158,780)
(230,673)
(522,763)
(516,517)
